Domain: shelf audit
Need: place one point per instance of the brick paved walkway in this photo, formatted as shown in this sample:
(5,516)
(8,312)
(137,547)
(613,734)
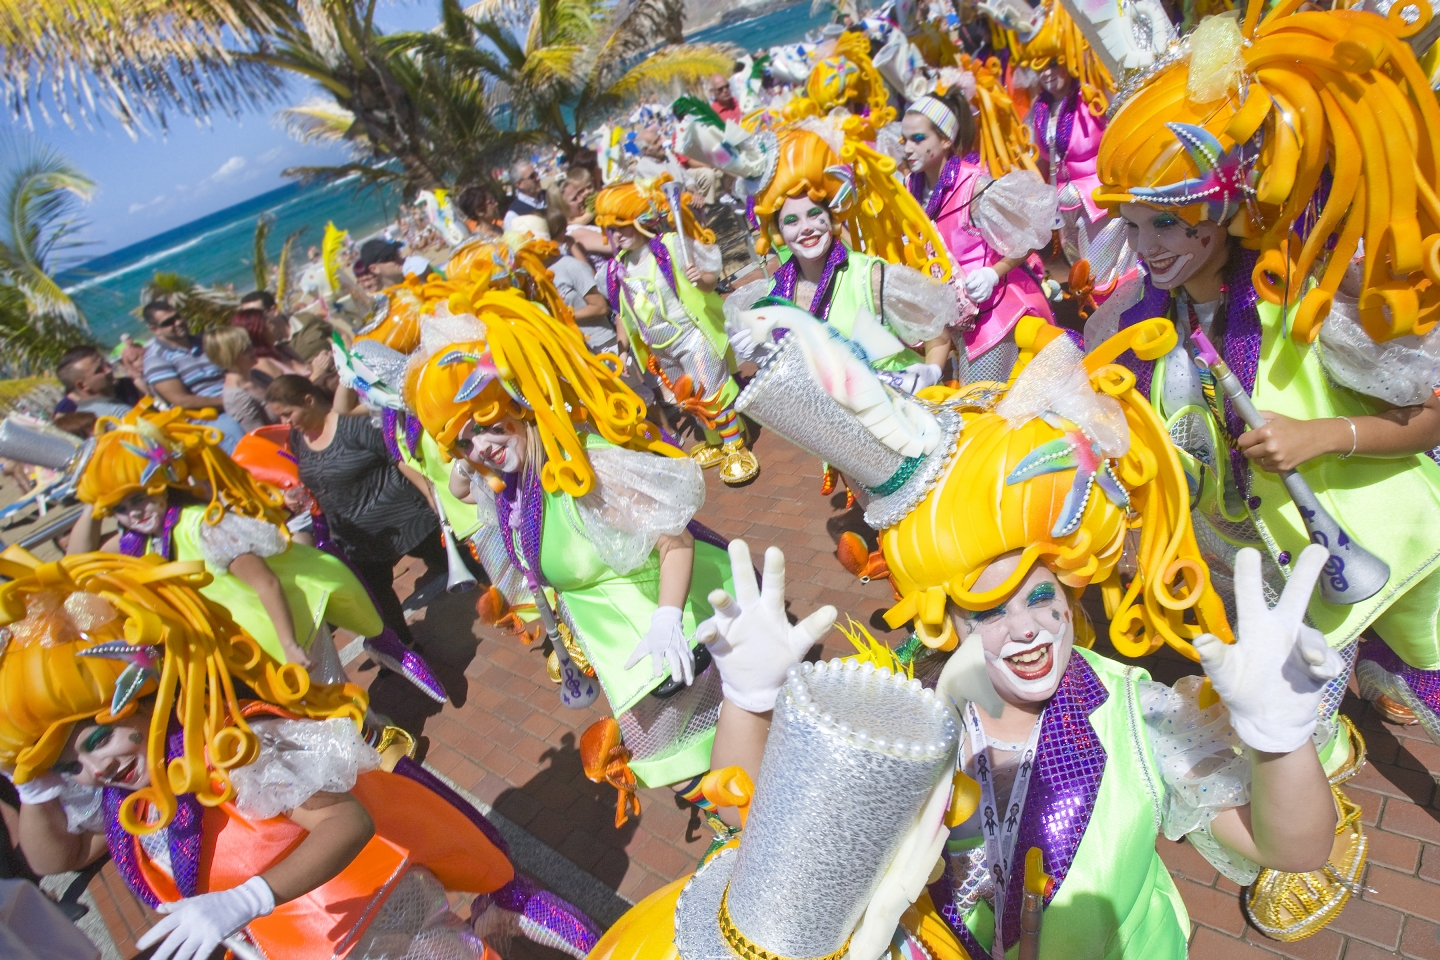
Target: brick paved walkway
(505,738)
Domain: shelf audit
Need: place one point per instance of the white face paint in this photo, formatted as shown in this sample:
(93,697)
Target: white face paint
(1172,249)
(108,755)
(1028,638)
(142,512)
(806,228)
(499,446)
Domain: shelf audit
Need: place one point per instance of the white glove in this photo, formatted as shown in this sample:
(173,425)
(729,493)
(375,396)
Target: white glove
(192,928)
(925,374)
(750,638)
(980,283)
(1271,678)
(41,789)
(664,643)
(742,342)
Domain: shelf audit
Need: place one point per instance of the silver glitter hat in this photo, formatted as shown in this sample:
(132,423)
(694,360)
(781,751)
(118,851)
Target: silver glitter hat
(852,755)
(785,397)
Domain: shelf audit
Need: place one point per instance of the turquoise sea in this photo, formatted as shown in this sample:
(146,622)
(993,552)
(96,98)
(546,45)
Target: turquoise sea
(218,248)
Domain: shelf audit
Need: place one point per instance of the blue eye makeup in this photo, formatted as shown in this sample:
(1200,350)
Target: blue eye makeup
(1043,593)
(1164,220)
(917,137)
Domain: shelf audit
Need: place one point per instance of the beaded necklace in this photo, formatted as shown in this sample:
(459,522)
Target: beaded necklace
(788,277)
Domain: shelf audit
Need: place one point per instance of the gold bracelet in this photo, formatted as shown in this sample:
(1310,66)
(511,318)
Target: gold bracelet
(749,949)
(1354,438)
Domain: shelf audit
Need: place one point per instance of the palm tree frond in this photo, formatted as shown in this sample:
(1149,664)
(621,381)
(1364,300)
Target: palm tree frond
(670,67)
(319,121)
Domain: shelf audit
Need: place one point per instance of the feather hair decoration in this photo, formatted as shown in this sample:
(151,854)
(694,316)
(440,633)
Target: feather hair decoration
(330,252)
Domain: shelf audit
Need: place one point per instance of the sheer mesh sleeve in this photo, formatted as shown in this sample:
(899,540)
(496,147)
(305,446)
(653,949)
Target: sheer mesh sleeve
(743,299)
(82,806)
(1016,213)
(1400,372)
(638,498)
(1202,765)
(298,759)
(706,256)
(234,536)
(916,307)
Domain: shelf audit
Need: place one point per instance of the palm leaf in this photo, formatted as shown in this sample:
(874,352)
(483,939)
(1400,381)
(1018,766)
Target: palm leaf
(669,67)
(39,201)
(204,307)
(320,121)
(282,276)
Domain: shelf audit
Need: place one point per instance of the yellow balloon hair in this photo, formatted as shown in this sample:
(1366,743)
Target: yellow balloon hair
(547,364)
(186,456)
(1338,89)
(972,517)
(1060,41)
(846,78)
(45,689)
(643,204)
(1001,134)
(882,218)
(473,270)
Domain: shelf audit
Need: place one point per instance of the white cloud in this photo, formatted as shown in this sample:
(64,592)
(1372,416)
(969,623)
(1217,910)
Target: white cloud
(271,155)
(229,168)
(137,207)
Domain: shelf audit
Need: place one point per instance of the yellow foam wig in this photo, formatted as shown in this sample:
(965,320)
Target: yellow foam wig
(974,516)
(535,368)
(863,195)
(153,450)
(1338,90)
(642,204)
(56,610)
(847,78)
(1060,41)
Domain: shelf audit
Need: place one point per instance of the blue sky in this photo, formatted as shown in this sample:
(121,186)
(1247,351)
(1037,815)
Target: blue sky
(149,185)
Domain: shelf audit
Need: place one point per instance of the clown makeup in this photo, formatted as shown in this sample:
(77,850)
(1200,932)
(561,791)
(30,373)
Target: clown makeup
(108,754)
(1028,638)
(499,446)
(926,148)
(1174,251)
(1056,81)
(142,512)
(806,228)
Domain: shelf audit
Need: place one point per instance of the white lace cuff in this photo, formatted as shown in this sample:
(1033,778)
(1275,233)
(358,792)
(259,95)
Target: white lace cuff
(638,497)
(1400,372)
(1202,765)
(298,759)
(235,536)
(916,307)
(1016,213)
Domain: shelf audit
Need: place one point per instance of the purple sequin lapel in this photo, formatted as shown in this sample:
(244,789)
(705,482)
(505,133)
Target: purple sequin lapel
(662,259)
(787,278)
(1069,763)
(1242,351)
(389,428)
(944,186)
(1154,302)
(183,835)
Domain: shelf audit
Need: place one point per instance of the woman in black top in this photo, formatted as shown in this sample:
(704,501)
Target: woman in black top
(377,509)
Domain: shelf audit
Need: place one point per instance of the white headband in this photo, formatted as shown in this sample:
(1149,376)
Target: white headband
(938,113)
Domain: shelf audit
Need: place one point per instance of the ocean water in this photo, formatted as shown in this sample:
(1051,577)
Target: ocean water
(218,248)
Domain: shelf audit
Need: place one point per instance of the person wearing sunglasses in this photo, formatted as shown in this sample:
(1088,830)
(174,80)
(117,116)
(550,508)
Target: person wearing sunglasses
(179,372)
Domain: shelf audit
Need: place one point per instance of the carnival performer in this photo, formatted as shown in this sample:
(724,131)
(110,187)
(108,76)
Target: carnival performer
(1062,749)
(673,319)
(1066,121)
(886,294)
(271,824)
(555,452)
(1346,406)
(175,493)
(991,226)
